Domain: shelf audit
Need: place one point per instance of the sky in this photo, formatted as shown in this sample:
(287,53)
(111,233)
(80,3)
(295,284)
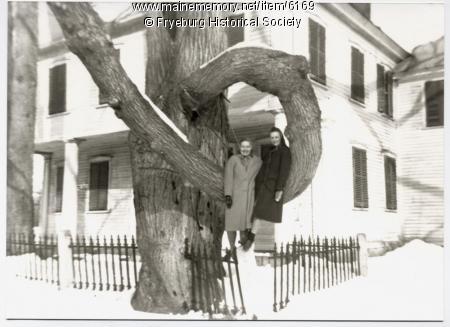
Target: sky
(410,24)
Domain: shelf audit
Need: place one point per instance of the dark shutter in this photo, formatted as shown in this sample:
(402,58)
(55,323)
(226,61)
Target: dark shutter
(59,188)
(357,76)
(390,176)
(389,94)
(102,96)
(317,52)
(235,34)
(360,193)
(434,93)
(98,185)
(384,90)
(57,88)
(381,88)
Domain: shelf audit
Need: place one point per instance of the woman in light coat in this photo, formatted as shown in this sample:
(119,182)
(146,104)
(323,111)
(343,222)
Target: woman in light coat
(240,172)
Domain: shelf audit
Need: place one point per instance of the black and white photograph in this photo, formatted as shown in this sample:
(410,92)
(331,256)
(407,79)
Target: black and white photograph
(257,160)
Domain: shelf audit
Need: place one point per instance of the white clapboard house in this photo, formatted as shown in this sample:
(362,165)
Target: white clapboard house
(381,171)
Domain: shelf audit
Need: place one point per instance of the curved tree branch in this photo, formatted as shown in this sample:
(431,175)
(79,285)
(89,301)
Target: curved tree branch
(275,72)
(280,74)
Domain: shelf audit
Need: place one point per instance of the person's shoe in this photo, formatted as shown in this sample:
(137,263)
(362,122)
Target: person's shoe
(228,254)
(249,242)
(244,238)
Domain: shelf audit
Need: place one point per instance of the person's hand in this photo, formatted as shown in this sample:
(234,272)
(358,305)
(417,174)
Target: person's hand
(228,201)
(278,196)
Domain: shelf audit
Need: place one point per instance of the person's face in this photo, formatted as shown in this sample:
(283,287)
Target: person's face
(245,148)
(275,138)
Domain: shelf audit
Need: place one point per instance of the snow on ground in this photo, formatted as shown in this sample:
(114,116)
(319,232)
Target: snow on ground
(405,284)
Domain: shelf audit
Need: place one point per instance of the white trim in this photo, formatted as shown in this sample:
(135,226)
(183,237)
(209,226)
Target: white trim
(60,60)
(358,145)
(388,153)
(100,158)
(366,29)
(58,114)
(315,17)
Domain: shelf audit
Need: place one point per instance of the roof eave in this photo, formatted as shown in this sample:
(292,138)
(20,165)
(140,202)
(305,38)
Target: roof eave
(367,29)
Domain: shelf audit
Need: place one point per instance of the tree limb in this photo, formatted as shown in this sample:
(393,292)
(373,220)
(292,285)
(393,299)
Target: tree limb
(85,37)
(280,74)
(275,72)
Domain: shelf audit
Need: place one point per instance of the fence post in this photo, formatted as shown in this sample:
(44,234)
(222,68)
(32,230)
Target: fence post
(362,243)
(65,259)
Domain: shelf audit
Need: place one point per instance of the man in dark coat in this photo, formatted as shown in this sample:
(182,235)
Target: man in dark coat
(270,183)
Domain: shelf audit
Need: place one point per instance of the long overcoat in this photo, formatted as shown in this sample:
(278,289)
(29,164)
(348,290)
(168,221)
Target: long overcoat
(272,177)
(240,185)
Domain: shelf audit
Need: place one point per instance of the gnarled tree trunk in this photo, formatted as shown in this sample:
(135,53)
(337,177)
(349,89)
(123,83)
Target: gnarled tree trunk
(178,171)
(168,208)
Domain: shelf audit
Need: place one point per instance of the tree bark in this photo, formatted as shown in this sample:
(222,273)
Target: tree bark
(168,209)
(178,185)
(22,58)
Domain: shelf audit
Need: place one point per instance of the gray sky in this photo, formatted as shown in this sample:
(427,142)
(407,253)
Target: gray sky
(410,24)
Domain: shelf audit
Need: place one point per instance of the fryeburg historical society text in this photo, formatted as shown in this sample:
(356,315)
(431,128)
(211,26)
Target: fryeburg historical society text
(222,22)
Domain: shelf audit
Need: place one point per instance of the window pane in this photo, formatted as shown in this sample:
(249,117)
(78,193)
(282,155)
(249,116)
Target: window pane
(98,185)
(59,188)
(57,89)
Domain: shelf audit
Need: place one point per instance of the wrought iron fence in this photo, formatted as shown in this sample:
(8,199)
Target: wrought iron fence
(36,257)
(216,283)
(101,263)
(104,264)
(309,265)
(97,263)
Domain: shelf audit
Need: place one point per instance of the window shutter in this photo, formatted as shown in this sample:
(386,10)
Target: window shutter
(381,88)
(434,93)
(102,96)
(59,188)
(57,88)
(357,75)
(98,185)
(322,55)
(389,94)
(313,49)
(235,34)
(360,193)
(390,176)
(317,51)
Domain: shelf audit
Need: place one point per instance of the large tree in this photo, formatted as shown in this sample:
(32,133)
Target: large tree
(178,134)
(22,60)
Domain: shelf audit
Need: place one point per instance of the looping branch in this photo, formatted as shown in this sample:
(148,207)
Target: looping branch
(282,75)
(268,70)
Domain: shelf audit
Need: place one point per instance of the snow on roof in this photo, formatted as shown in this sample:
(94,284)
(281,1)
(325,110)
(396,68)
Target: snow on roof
(423,57)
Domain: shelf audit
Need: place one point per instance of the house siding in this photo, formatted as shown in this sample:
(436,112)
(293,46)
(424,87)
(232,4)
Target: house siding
(326,206)
(119,218)
(420,164)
